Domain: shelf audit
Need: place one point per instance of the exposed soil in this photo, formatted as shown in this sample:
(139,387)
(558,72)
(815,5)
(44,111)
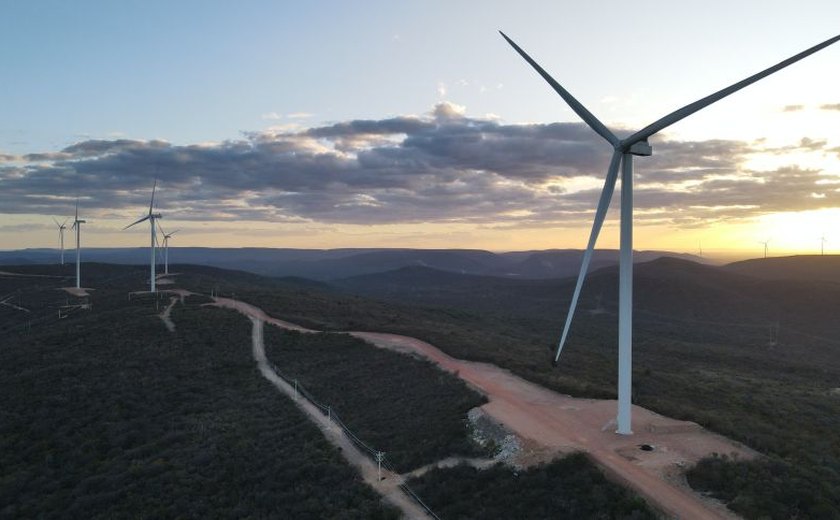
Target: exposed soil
(165,315)
(559,424)
(552,424)
(388,487)
(77,291)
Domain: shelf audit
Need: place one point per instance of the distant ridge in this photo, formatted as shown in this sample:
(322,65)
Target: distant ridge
(334,264)
(683,296)
(814,268)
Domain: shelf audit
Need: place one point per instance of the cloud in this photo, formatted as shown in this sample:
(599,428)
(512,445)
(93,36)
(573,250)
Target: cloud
(444,166)
(271,116)
(793,108)
(833,106)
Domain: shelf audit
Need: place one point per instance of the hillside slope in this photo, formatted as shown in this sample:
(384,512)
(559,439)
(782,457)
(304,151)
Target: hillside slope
(814,268)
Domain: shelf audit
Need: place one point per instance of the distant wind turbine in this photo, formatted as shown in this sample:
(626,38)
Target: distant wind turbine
(151,217)
(623,152)
(765,242)
(61,228)
(166,237)
(822,245)
(77,225)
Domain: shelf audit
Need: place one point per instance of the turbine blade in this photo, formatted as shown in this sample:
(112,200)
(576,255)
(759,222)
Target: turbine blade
(63,224)
(600,214)
(77,208)
(56,222)
(575,105)
(170,234)
(700,104)
(152,203)
(136,222)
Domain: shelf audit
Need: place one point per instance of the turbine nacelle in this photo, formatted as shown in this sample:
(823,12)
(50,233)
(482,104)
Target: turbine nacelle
(641,148)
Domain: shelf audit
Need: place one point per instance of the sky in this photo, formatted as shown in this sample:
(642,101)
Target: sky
(394,124)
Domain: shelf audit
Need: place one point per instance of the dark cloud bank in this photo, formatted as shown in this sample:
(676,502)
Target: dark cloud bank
(445,167)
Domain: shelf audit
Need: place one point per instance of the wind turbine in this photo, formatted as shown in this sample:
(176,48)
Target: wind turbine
(77,225)
(623,152)
(166,238)
(151,217)
(765,242)
(61,228)
(822,245)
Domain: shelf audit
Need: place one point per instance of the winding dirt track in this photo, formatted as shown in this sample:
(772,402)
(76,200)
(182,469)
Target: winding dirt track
(562,424)
(388,487)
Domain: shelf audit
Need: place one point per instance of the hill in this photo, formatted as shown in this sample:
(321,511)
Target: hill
(756,360)
(107,414)
(815,268)
(330,264)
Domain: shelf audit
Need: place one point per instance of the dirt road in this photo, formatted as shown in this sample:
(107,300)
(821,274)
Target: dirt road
(167,312)
(389,486)
(562,424)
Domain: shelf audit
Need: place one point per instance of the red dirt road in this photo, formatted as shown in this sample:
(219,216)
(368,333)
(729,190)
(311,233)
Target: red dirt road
(561,424)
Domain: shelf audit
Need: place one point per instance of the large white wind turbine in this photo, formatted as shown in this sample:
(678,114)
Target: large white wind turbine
(77,225)
(151,217)
(61,228)
(623,152)
(166,237)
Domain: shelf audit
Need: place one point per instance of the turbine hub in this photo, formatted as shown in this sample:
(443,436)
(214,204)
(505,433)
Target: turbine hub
(642,148)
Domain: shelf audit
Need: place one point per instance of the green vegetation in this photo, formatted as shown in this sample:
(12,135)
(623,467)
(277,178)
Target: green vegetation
(702,352)
(773,489)
(105,414)
(569,488)
(404,406)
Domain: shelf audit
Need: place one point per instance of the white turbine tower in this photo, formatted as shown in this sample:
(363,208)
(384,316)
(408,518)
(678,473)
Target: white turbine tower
(823,240)
(166,237)
(61,228)
(623,152)
(77,225)
(151,217)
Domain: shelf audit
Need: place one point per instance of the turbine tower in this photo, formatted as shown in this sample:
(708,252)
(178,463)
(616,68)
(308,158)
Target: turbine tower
(77,225)
(166,237)
(822,245)
(623,152)
(151,217)
(61,228)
